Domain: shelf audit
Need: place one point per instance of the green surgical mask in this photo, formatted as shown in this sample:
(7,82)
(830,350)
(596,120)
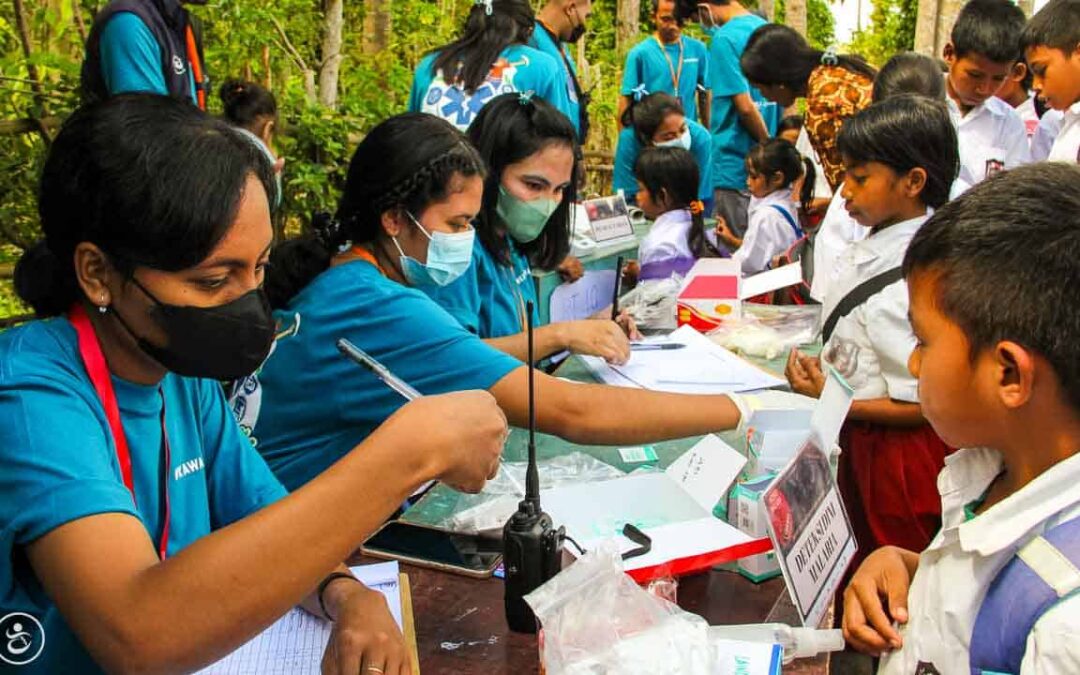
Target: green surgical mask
(524,220)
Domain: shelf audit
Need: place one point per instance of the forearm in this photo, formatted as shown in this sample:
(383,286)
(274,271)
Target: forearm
(195,607)
(335,595)
(887,412)
(548,340)
(624,103)
(705,106)
(750,117)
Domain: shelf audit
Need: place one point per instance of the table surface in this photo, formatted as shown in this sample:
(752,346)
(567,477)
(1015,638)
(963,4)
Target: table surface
(461,627)
(460,623)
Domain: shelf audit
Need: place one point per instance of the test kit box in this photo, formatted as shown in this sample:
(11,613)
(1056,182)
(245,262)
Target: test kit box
(714,290)
(774,438)
(746,514)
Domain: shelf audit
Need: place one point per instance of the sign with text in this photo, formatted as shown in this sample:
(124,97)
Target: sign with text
(810,531)
(609,218)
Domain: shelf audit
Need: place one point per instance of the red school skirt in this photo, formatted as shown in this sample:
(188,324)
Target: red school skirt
(888,481)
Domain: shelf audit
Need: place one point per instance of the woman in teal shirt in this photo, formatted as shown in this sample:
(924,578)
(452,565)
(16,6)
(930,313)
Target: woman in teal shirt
(524,221)
(491,57)
(139,530)
(414,186)
(658,120)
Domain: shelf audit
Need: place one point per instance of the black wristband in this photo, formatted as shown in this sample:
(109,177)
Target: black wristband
(330,578)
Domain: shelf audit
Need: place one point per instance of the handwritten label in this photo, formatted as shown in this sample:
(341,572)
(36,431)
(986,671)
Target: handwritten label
(707,470)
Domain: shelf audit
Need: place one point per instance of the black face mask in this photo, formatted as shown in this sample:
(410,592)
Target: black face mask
(225,342)
(577,31)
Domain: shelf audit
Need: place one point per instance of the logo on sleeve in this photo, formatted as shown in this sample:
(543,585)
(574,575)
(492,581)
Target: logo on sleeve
(22,637)
(187,468)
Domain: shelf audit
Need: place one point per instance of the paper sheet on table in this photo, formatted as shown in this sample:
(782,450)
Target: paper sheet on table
(701,367)
(294,644)
(583,298)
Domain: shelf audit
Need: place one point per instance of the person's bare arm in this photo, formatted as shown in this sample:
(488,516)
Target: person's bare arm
(135,613)
(750,117)
(704,107)
(589,337)
(624,103)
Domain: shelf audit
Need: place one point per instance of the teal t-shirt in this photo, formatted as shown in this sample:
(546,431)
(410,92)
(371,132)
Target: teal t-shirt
(518,68)
(651,67)
(60,465)
(628,148)
(560,52)
(731,141)
(308,405)
(131,58)
(489,299)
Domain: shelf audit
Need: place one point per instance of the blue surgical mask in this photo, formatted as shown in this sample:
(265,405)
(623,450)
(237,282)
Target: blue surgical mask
(683,141)
(525,221)
(448,257)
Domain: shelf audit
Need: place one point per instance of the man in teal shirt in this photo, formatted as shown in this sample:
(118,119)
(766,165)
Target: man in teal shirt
(557,23)
(151,46)
(741,117)
(670,63)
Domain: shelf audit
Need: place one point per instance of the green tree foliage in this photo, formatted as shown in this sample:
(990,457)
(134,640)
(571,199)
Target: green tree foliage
(891,30)
(820,24)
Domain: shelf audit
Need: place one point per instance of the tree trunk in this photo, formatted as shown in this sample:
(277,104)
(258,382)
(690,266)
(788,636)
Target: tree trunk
(331,53)
(933,25)
(31,69)
(626,31)
(1028,7)
(80,25)
(795,15)
(376,26)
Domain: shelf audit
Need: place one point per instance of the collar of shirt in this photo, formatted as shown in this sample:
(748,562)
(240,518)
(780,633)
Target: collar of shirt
(676,218)
(968,474)
(888,244)
(1073,112)
(992,107)
(782,197)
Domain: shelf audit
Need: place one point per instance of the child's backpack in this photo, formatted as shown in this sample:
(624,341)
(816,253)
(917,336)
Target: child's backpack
(1041,574)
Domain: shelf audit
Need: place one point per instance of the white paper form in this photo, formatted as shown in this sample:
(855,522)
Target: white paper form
(294,644)
(701,367)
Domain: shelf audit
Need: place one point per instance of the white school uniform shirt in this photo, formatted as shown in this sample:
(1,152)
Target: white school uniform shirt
(1067,145)
(822,190)
(879,327)
(768,234)
(836,232)
(957,568)
(1045,135)
(991,133)
(1029,116)
(666,239)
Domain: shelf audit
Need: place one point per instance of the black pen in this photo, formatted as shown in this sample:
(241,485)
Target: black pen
(618,287)
(654,346)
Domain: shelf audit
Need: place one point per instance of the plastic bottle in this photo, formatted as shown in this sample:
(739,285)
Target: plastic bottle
(798,643)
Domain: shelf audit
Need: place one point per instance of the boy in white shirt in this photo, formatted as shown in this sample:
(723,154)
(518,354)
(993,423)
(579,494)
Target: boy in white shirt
(998,363)
(984,46)
(1051,43)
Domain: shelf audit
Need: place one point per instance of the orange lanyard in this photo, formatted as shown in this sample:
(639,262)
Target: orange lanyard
(676,75)
(366,256)
(196,67)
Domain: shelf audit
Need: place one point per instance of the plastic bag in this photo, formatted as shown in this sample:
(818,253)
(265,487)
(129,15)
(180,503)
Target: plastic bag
(652,303)
(491,508)
(767,331)
(595,619)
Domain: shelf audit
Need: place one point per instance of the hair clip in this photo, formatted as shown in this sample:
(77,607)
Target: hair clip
(639,92)
(829,58)
(697,207)
(486,4)
(525,97)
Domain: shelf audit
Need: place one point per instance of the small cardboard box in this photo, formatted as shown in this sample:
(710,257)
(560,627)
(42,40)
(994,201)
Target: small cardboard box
(714,289)
(775,436)
(747,515)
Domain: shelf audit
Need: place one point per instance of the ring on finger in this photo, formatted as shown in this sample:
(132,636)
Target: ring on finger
(375,669)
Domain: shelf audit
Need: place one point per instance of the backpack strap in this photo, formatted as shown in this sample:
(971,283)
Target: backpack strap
(1041,574)
(791,221)
(858,296)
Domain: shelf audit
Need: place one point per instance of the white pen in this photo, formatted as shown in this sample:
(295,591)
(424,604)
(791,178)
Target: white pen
(363,359)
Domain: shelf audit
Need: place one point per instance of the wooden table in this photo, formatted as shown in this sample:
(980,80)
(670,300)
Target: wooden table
(461,627)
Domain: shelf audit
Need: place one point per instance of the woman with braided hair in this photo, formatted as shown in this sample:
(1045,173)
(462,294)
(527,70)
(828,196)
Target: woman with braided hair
(414,185)
(491,57)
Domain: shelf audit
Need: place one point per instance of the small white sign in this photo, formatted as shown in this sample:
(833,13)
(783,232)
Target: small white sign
(810,531)
(707,470)
(609,218)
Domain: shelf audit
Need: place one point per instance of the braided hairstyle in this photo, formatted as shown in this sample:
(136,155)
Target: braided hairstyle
(405,163)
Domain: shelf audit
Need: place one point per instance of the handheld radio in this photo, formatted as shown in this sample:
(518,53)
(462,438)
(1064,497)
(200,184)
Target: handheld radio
(532,547)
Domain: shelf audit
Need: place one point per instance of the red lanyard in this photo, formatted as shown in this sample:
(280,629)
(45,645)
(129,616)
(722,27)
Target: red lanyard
(98,370)
(196,66)
(676,75)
